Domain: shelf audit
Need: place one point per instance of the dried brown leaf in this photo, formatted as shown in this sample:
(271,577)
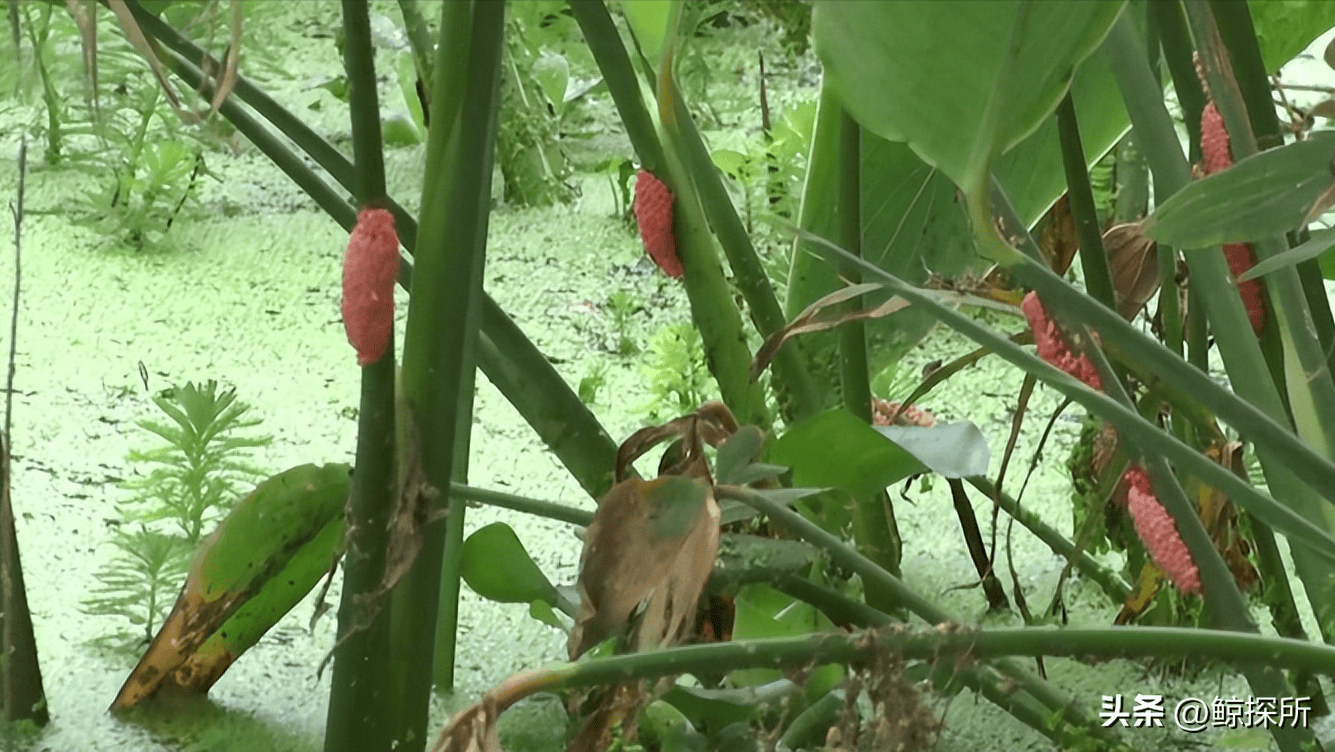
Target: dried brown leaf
(84,13)
(1133,260)
(142,44)
(812,319)
(1057,235)
(647,555)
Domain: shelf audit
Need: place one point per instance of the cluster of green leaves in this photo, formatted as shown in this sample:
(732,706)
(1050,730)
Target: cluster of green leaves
(123,129)
(192,480)
(676,374)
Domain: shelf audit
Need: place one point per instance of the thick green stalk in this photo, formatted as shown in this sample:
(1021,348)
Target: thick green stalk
(363,703)
(1110,642)
(440,558)
(1093,261)
(712,308)
(797,392)
(446,292)
(874,528)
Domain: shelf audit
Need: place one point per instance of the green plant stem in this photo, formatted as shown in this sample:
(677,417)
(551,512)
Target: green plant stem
(362,704)
(1112,583)
(962,642)
(1093,261)
(1175,41)
(984,680)
(874,526)
(869,571)
(548,509)
(795,386)
(446,301)
(712,309)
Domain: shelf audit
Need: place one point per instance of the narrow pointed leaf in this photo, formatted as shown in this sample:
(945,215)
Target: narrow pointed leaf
(255,543)
(1262,196)
(1318,244)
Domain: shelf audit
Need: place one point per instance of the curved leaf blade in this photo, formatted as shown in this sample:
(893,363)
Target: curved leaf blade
(1265,195)
(253,544)
(1011,62)
(837,449)
(952,450)
(497,567)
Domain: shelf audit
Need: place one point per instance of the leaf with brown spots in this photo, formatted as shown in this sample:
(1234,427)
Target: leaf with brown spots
(290,520)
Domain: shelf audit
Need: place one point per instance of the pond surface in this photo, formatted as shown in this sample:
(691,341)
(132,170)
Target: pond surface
(248,295)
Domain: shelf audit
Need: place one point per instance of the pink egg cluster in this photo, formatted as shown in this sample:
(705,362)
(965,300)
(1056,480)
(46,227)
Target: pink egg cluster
(1153,523)
(1156,528)
(1052,346)
(1217,152)
(653,212)
(370,268)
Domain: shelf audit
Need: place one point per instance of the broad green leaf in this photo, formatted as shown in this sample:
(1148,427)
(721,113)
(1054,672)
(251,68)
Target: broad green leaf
(1265,195)
(552,72)
(953,450)
(496,566)
(1318,244)
(912,224)
(1009,64)
(837,449)
(1285,27)
(649,21)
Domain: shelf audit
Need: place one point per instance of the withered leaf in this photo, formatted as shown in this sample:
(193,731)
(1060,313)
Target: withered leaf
(1133,260)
